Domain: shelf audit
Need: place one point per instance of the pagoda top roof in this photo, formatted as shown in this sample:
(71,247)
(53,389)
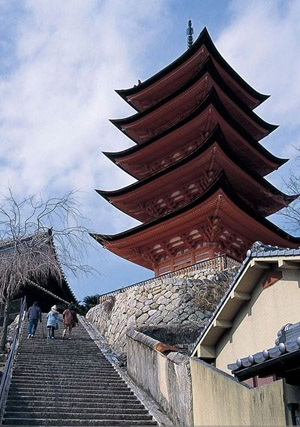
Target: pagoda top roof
(222,185)
(207,67)
(212,98)
(215,136)
(203,39)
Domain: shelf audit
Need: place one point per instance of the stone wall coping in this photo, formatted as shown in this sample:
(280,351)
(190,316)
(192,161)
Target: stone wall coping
(173,356)
(178,358)
(196,268)
(142,338)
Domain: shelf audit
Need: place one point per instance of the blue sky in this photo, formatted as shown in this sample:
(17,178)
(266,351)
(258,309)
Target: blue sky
(61,62)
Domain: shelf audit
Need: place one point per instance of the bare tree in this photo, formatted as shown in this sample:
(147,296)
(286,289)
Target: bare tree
(28,229)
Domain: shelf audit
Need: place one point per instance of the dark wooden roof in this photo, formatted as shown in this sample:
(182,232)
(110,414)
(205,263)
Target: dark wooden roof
(247,133)
(221,183)
(210,68)
(212,99)
(251,185)
(203,39)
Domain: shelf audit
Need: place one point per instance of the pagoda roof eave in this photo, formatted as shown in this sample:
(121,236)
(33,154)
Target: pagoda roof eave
(203,38)
(110,156)
(207,67)
(215,136)
(211,98)
(220,183)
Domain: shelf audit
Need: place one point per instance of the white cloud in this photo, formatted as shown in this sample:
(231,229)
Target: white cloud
(55,104)
(262,43)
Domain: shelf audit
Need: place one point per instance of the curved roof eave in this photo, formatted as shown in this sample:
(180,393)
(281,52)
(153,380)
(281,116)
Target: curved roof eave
(211,97)
(220,183)
(207,67)
(120,122)
(203,38)
(216,135)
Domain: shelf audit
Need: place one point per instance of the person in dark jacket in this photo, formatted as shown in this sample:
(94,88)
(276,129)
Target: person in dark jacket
(34,315)
(70,320)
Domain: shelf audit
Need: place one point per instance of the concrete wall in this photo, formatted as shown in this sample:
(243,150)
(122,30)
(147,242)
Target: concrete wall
(193,393)
(256,325)
(159,301)
(166,378)
(220,400)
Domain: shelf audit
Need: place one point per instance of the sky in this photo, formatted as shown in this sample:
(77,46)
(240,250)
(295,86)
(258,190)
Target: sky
(61,62)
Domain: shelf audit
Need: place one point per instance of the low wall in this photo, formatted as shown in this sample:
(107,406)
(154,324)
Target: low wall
(167,381)
(193,393)
(160,301)
(218,399)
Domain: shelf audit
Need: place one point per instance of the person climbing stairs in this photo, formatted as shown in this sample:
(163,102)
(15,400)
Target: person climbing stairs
(64,382)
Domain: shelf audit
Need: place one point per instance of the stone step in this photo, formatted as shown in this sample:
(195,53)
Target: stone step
(55,366)
(97,399)
(96,385)
(78,415)
(52,373)
(66,358)
(65,381)
(69,383)
(69,412)
(77,422)
(65,394)
(28,405)
(60,367)
(56,376)
(71,390)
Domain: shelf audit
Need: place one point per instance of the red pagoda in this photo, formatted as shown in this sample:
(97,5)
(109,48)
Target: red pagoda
(200,188)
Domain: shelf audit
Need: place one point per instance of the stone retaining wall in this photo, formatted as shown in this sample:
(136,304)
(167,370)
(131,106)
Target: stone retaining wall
(160,301)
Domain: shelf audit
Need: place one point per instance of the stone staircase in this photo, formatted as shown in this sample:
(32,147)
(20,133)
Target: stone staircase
(69,383)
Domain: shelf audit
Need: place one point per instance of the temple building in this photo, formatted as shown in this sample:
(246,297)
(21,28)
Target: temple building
(48,289)
(200,189)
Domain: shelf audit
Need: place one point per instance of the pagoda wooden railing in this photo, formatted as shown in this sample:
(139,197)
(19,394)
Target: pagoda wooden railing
(220,263)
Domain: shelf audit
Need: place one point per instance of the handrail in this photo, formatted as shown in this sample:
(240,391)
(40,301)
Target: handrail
(222,261)
(5,380)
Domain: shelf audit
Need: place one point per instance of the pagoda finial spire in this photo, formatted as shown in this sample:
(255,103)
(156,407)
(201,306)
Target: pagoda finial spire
(189,33)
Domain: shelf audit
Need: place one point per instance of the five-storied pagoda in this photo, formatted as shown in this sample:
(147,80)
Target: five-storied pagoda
(200,188)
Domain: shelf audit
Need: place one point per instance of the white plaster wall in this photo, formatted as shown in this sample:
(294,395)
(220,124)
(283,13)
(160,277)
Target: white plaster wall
(256,325)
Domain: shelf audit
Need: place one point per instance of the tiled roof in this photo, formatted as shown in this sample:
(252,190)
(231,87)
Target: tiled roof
(288,341)
(257,250)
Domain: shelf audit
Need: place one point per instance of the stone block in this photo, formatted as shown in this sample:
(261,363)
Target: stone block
(155,319)
(138,313)
(162,300)
(175,295)
(142,319)
(151,312)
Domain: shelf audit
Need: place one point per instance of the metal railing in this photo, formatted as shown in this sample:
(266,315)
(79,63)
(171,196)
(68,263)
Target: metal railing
(5,380)
(220,263)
